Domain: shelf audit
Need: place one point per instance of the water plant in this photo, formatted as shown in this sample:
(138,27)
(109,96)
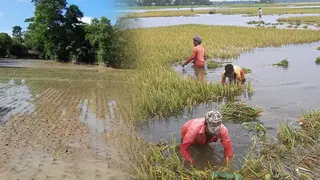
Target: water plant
(284,63)
(247,70)
(256,22)
(305,27)
(239,112)
(318,48)
(214,65)
(318,60)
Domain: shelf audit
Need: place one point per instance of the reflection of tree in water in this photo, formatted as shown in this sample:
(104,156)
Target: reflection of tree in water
(15,98)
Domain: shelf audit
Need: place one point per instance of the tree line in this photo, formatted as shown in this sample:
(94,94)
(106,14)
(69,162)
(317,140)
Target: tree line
(57,33)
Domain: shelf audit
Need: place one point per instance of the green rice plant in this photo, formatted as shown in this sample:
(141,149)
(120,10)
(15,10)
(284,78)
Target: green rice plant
(288,136)
(247,71)
(318,48)
(284,63)
(214,65)
(239,112)
(318,60)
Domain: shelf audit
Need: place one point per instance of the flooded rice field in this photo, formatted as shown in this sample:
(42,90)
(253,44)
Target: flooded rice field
(217,19)
(282,93)
(58,127)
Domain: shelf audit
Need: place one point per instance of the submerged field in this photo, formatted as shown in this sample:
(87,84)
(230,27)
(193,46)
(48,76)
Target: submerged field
(58,123)
(249,11)
(161,92)
(306,19)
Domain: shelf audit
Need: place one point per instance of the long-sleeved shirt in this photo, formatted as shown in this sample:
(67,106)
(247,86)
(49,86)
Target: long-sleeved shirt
(198,55)
(193,132)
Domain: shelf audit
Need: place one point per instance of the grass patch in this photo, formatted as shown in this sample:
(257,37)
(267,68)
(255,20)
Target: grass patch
(284,63)
(239,112)
(318,60)
(255,22)
(302,19)
(214,65)
(247,70)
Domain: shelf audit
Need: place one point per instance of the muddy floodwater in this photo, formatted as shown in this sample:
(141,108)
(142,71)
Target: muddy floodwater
(282,93)
(217,19)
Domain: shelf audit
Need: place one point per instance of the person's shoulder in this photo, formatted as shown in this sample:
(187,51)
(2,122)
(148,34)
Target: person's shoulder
(223,129)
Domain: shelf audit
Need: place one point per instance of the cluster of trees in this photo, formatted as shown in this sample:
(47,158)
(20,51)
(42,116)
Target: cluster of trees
(56,32)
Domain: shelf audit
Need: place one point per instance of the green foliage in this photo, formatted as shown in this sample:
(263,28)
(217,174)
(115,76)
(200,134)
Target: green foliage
(56,32)
(318,60)
(213,65)
(239,112)
(284,63)
(5,43)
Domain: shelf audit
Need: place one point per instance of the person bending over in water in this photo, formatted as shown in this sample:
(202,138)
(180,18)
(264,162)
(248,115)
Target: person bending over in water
(234,73)
(205,130)
(199,57)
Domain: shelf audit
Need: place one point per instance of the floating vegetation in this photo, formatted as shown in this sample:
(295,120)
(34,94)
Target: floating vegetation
(318,60)
(247,70)
(255,22)
(239,112)
(256,126)
(289,26)
(318,48)
(305,27)
(214,65)
(283,63)
(281,23)
(296,26)
(267,24)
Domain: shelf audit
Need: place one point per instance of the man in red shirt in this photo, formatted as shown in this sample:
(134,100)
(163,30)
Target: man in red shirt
(199,57)
(205,130)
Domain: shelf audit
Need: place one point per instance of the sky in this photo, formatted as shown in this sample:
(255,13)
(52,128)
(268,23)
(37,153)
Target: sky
(14,12)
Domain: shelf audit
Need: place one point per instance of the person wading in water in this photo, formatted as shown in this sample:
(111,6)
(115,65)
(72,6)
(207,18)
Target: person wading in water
(199,57)
(201,131)
(234,73)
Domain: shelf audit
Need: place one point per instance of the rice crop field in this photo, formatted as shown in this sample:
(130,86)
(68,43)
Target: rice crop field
(304,19)
(57,123)
(247,11)
(163,92)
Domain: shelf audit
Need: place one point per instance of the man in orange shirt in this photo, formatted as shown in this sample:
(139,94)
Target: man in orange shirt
(199,57)
(205,130)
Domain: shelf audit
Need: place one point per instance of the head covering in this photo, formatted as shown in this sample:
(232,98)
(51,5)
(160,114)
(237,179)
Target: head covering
(198,39)
(211,119)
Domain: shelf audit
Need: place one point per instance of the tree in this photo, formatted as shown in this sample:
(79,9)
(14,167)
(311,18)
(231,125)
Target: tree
(5,44)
